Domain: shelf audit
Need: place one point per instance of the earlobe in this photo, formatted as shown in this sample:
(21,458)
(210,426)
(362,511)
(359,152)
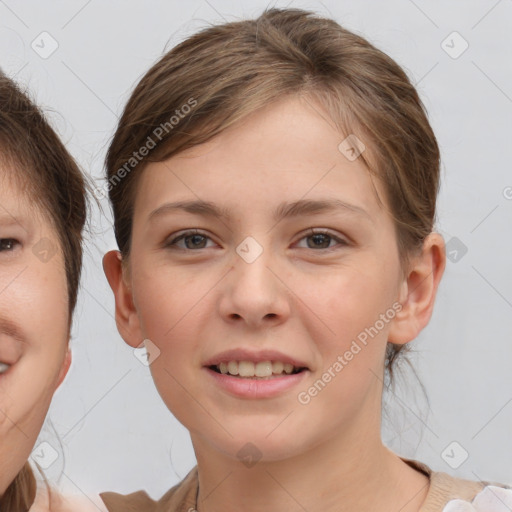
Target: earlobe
(125,313)
(418,291)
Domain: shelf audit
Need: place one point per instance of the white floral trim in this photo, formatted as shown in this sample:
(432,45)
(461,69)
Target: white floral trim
(490,499)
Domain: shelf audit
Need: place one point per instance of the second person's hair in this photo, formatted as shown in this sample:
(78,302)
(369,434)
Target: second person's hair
(229,71)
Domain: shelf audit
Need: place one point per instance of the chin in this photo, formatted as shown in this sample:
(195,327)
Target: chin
(254,444)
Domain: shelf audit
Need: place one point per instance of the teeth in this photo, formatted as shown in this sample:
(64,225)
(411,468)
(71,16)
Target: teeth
(246,369)
(233,368)
(4,367)
(288,368)
(277,367)
(262,369)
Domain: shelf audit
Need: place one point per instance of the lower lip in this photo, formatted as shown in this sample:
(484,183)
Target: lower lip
(256,388)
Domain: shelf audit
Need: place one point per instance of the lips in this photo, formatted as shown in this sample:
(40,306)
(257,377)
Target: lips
(255,374)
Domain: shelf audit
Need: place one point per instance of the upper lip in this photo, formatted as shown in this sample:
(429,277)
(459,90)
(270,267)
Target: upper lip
(241,354)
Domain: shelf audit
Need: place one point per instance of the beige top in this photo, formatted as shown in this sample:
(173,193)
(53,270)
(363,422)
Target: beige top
(182,497)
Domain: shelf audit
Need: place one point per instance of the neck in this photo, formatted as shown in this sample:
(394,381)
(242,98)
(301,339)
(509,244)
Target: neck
(341,475)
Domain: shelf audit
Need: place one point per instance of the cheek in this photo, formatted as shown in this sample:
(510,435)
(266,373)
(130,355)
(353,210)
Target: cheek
(349,304)
(174,312)
(345,302)
(169,300)
(47,316)
(37,304)
(354,305)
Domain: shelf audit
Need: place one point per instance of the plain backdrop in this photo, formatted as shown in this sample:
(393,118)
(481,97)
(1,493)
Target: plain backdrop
(107,423)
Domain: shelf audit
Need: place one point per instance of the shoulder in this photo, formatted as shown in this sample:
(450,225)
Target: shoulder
(80,503)
(180,498)
(128,502)
(452,494)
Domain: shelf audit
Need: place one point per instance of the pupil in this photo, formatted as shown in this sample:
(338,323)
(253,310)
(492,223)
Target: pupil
(318,237)
(195,237)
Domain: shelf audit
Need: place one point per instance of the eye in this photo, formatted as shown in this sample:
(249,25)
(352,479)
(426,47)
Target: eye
(192,239)
(8,244)
(321,239)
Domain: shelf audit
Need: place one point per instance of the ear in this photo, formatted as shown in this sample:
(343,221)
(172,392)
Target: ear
(418,291)
(64,368)
(127,320)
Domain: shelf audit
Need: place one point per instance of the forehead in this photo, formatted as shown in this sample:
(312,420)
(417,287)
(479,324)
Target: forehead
(19,201)
(286,151)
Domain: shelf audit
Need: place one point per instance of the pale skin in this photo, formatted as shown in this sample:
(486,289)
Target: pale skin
(34,324)
(308,298)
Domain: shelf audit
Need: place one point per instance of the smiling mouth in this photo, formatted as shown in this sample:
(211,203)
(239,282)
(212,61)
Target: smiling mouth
(4,367)
(260,370)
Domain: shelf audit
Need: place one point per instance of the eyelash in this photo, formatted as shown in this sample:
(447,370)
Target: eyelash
(310,233)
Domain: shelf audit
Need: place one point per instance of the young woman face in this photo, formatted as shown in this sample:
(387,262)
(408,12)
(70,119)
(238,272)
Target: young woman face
(251,282)
(34,326)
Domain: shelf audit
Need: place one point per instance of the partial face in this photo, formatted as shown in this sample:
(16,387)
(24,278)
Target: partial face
(279,282)
(33,325)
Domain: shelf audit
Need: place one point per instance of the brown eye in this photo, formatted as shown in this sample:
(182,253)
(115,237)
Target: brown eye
(320,240)
(8,244)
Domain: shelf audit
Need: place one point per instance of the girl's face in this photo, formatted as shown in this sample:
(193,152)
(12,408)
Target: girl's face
(224,268)
(34,357)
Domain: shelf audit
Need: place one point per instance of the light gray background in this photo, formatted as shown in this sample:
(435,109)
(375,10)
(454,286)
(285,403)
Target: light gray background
(113,429)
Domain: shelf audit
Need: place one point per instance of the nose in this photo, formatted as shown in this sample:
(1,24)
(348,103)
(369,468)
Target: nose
(255,292)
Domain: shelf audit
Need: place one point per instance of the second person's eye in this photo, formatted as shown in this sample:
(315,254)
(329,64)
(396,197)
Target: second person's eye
(322,239)
(195,238)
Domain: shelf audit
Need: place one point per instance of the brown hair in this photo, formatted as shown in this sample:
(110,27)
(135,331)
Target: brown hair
(231,70)
(36,158)
(21,493)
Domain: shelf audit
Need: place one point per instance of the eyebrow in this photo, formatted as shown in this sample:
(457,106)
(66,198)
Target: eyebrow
(283,211)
